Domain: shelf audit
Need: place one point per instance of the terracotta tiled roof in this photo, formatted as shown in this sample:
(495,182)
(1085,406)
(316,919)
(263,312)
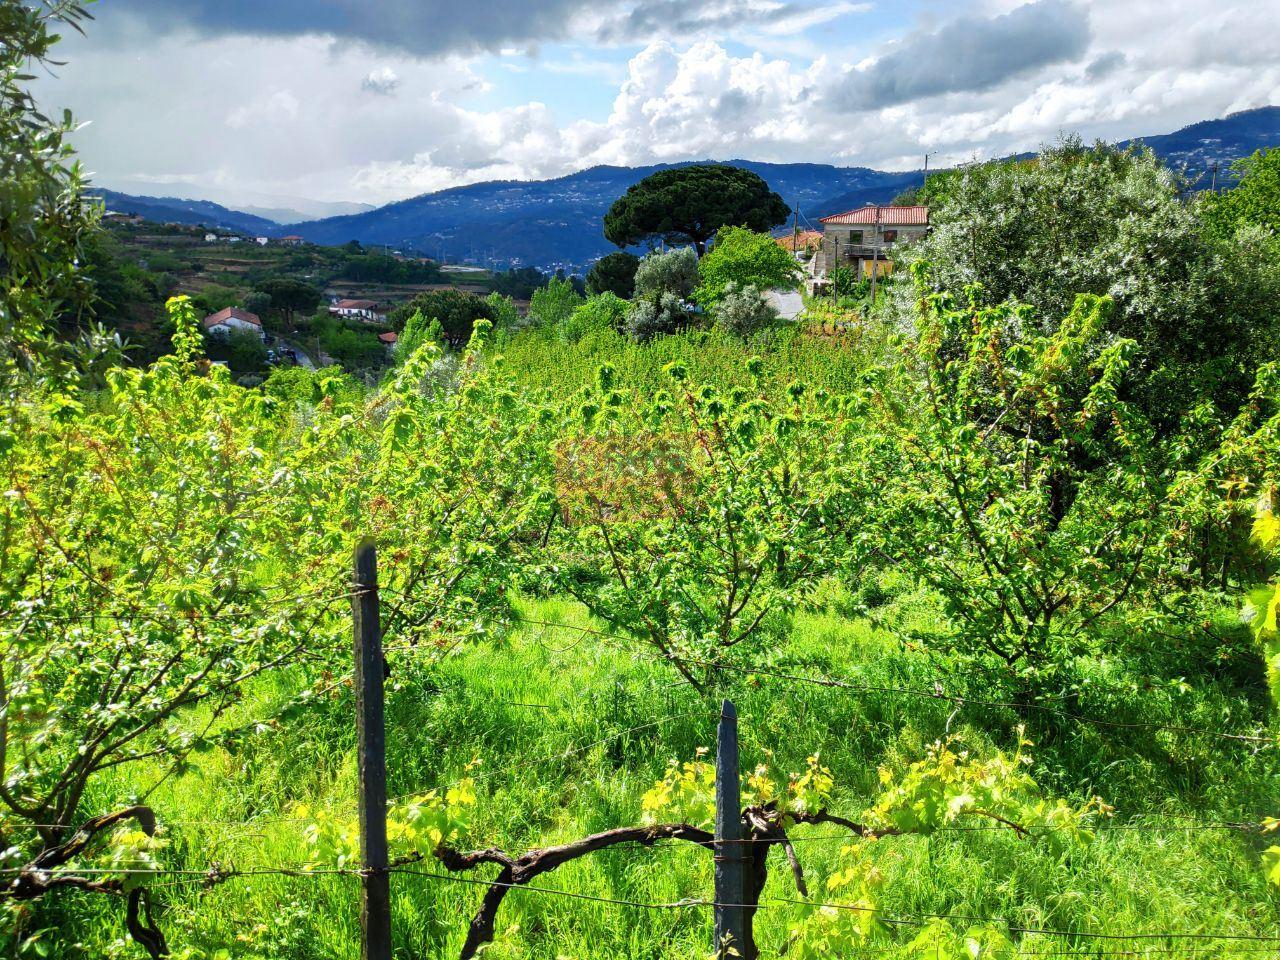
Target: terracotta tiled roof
(231,313)
(355,305)
(890,216)
(388,337)
(806,240)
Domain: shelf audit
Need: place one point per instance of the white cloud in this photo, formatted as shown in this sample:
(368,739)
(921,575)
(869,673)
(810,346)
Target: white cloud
(275,107)
(299,118)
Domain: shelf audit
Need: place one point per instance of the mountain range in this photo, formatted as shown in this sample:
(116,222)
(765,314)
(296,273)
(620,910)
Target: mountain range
(558,223)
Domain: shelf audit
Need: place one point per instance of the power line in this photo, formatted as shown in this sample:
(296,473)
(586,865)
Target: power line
(214,874)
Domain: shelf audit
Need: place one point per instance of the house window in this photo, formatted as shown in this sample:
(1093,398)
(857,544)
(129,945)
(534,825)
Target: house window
(890,236)
(855,236)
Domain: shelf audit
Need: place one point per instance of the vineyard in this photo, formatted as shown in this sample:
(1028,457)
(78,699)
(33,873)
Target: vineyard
(972,723)
(940,624)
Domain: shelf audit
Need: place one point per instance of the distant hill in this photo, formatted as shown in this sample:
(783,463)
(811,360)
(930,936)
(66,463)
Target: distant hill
(559,223)
(188,212)
(316,210)
(1195,149)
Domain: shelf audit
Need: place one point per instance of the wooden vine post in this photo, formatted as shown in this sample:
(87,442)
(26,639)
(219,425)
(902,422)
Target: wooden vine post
(371,746)
(731,939)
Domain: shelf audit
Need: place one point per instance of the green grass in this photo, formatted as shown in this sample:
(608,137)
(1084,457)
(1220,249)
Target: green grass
(541,362)
(525,703)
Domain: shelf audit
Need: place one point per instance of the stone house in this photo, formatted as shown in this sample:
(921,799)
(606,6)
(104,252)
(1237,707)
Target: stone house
(863,238)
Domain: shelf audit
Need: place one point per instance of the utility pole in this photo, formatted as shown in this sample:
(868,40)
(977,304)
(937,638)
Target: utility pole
(795,231)
(371,758)
(1214,187)
(875,254)
(730,851)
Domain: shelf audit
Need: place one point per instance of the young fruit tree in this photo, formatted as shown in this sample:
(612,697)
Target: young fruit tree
(696,522)
(1029,495)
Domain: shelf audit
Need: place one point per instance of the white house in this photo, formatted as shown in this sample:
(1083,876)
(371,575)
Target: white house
(210,238)
(232,318)
(263,241)
(367,310)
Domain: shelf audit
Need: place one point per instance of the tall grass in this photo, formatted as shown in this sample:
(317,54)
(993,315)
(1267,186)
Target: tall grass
(526,703)
(540,361)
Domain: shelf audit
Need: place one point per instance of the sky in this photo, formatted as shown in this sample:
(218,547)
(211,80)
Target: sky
(255,101)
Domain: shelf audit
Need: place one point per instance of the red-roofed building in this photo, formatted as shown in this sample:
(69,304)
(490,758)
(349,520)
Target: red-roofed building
(232,318)
(862,238)
(292,241)
(804,242)
(367,310)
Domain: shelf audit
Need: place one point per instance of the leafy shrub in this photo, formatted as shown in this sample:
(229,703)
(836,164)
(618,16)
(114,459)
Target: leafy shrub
(674,272)
(606,311)
(844,281)
(744,311)
(655,316)
(742,258)
(664,283)
(553,304)
(1033,501)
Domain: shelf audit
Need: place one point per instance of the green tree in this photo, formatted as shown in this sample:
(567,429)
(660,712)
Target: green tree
(242,350)
(607,311)
(614,273)
(1108,222)
(1036,487)
(129,634)
(744,258)
(245,351)
(553,304)
(674,272)
(380,268)
(44,216)
(290,297)
(257,302)
(1254,200)
(519,283)
(456,310)
(506,316)
(354,348)
(696,528)
(418,330)
(689,204)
